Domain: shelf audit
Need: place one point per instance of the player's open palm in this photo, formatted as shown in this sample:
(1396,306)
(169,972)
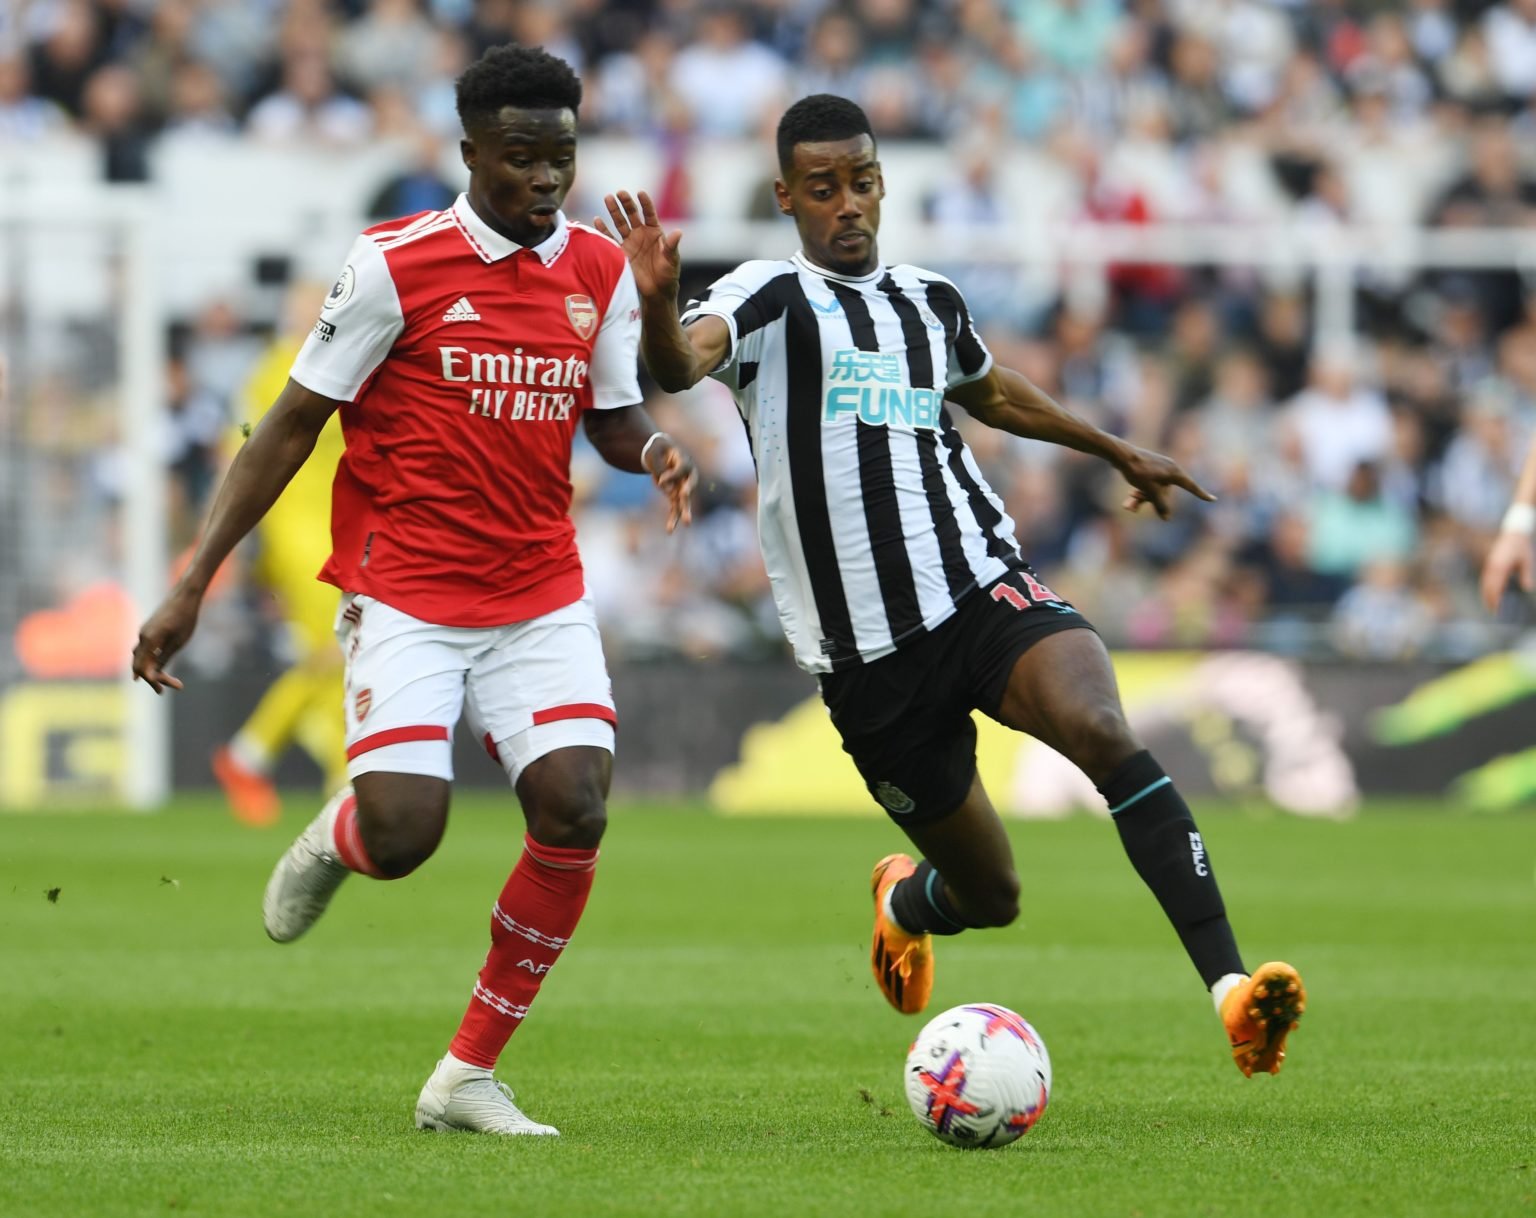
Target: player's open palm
(1152,476)
(161,637)
(652,251)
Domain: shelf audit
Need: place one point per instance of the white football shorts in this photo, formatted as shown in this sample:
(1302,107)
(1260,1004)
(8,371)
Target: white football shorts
(528,688)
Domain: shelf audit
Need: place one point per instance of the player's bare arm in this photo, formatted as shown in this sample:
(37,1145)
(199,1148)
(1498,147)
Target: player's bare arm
(628,439)
(1512,556)
(265,464)
(1009,401)
(678,358)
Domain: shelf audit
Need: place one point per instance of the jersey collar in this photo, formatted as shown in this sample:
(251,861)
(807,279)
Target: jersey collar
(800,260)
(493,247)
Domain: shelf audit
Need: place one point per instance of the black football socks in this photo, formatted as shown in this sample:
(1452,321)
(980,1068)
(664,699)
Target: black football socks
(920,904)
(1164,846)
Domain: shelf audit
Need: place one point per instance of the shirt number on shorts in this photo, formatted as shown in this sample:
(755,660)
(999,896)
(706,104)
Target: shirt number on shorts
(1039,594)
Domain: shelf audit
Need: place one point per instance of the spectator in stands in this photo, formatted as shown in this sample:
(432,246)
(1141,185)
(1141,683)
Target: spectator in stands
(974,201)
(1308,104)
(1198,107)
(1096,102)
(1460,339)
(1467,76)
(309,108)
(1073,35)
(725,78)
(1283,343)
(1253,40)
(161,54)
(1236,421)
(24,117)
(390,46)
(543,23)
(1097,371)
(1338,422)
(1193,605)
(1474,482)
(113,113)
(1422,388)
(198,106)
(1510,31)
(196,420)
(1351,526)
(944,104)
(891,29)
(1389,67)
(1194,343)
(1517,363)
(64,59)
(221,349)
(1383,617)
(634,92)
(420,186)
(1431,30)
(833,60)
(435,100)
(1494,192)
(235,39)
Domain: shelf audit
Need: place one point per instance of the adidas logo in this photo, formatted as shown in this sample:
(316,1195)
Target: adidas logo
(461,310)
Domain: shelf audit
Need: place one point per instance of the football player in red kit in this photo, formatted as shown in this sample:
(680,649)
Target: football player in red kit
(462,348)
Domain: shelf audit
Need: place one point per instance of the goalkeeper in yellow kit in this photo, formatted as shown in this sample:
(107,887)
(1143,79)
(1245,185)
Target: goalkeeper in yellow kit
(303,706)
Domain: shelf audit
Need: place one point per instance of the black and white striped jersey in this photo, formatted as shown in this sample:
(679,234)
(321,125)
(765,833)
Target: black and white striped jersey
(874,517)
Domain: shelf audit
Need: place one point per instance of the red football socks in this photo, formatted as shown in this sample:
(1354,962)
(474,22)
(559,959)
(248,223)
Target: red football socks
(530,925)
(348,839)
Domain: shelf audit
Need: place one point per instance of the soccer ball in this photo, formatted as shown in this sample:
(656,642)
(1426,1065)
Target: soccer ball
(978,1076)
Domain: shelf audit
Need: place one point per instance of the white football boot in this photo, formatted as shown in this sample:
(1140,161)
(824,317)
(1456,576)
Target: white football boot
(461,1096)
(305,878)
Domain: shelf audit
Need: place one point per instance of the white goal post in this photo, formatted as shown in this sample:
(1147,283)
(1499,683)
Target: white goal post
(123,219)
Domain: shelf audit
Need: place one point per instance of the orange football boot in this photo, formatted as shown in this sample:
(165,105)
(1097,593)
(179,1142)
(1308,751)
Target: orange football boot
(1260,1012)
(252,798)
(902,963)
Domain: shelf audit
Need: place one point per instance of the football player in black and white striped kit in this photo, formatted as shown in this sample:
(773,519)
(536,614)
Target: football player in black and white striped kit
(896,572)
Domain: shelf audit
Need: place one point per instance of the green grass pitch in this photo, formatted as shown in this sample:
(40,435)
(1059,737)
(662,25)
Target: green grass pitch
(712,1044)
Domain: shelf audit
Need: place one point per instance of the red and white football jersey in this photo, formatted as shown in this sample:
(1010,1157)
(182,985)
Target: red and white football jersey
(464,362)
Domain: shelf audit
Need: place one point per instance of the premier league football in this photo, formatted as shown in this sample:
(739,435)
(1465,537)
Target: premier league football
(978,1076)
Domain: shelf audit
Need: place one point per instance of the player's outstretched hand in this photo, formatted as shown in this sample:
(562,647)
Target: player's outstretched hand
(160,638)
(1151,476)
(652,251)
(673,471)
(1511,557)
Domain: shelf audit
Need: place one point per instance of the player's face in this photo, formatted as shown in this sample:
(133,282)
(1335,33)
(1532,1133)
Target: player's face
(521,166)
(833,191)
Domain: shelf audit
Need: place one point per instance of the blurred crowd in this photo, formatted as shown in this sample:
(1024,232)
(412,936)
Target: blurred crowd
(1175,71)
(1359,477)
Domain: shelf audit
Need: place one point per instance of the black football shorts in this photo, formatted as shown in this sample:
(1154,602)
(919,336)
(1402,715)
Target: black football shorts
(905,718)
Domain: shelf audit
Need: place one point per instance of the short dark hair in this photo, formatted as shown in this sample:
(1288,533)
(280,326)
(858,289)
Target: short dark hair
(525,78)
(819,118)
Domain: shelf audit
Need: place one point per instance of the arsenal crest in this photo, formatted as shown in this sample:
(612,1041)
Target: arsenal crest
(363,703)
(583,315)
